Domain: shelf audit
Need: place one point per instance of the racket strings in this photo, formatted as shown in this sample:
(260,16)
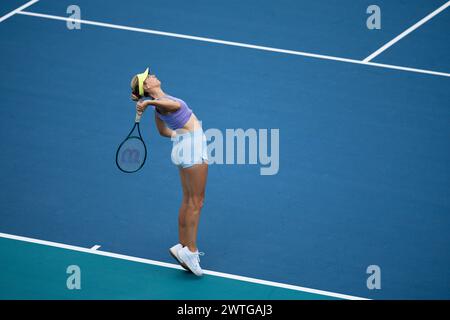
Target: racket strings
(131,155)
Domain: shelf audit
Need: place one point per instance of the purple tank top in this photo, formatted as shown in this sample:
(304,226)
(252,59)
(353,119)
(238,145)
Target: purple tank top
(177,119)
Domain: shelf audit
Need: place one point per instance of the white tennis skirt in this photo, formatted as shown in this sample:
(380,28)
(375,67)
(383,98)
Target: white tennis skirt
(189,148)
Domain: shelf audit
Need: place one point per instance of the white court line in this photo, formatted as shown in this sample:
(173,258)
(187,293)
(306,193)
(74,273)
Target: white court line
(407,31)
(174,266)
(95,247)
(10,14)
(231,43)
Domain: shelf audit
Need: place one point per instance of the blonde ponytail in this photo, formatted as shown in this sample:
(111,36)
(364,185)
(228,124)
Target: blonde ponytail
(135,96)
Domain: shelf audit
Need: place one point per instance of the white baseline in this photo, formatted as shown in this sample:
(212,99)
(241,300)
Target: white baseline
(235,44)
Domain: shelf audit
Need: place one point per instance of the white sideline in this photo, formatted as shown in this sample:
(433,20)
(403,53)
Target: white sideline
(231,43)
(10,14)
(407,31)
(173,266)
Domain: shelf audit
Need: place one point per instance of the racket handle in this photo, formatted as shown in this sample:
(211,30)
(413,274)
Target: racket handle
(138,117)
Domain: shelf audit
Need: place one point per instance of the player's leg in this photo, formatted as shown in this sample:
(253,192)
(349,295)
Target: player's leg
(194,184)
(182,224)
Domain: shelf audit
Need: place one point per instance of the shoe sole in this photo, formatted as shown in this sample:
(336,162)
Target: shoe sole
(179,262)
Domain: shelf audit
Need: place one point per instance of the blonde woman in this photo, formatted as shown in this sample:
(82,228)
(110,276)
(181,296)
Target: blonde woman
(174,119)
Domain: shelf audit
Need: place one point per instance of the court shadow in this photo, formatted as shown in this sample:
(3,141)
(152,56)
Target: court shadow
(186,276)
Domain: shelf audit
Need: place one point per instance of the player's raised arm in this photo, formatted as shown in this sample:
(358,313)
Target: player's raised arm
(165,105)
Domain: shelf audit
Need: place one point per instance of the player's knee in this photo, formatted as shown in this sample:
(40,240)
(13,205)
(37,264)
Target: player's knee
(195,202)
(200,200)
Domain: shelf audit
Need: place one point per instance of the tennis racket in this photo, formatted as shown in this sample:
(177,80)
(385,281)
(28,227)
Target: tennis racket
(132,152)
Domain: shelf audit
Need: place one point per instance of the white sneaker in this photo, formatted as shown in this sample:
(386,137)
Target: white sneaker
(174,252)
(191,260)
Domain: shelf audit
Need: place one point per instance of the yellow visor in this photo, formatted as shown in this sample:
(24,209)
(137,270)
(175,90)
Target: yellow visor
(141,77)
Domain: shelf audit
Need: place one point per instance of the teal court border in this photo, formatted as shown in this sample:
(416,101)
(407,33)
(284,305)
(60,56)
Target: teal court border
(37,269)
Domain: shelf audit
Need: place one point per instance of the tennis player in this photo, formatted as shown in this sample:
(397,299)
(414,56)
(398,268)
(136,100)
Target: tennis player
(175,120)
